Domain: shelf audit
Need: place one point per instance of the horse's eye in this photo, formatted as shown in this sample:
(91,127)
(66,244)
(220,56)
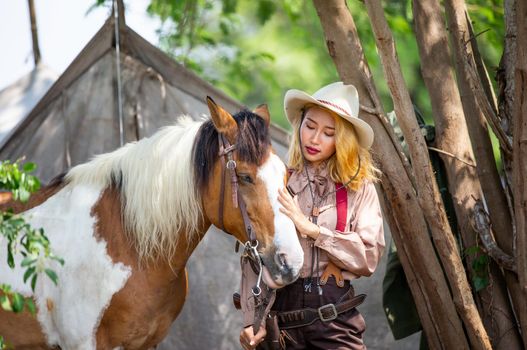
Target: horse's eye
(245,178)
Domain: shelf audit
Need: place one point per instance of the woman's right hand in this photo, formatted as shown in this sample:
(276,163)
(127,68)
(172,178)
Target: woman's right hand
(249,340)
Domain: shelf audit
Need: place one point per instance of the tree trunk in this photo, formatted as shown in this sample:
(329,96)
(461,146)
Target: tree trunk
(452,137)
(428,191)
(344,47)
(489,178)
(426,318)
(487,172)
(519,165)
(505,79)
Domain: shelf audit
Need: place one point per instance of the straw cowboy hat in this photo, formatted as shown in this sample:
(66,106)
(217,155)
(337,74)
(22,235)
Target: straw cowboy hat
(336,97)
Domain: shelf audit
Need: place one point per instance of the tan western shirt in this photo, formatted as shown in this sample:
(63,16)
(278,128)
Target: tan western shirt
(356,250)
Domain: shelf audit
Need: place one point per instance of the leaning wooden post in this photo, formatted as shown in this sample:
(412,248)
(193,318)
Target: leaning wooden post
(346,51)
(428,192)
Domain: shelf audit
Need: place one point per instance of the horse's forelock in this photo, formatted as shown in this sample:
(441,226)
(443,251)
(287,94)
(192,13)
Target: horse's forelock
(253,137)
(252,145)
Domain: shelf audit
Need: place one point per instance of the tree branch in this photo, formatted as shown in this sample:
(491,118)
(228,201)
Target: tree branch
(428,192)
(482,227)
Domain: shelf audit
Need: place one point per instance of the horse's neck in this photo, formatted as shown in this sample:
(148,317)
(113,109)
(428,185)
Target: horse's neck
(186,247)
(108,211)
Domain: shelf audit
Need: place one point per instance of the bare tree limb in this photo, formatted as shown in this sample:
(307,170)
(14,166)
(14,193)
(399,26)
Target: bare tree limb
(519,163)
(469,163)
(478,131)
(480,65)
(485,105)
(482,226)
(487,172)
(428,194)
(463,183)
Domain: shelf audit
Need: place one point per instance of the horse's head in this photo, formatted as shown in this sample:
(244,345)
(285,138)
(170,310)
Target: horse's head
(254,176)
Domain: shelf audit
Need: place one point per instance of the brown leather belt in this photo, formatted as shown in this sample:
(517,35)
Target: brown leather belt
(325,313)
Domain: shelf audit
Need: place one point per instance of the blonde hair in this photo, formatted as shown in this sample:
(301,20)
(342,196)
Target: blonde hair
(344,163)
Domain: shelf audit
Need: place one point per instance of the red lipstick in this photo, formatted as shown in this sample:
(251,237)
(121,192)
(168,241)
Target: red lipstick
(311,150)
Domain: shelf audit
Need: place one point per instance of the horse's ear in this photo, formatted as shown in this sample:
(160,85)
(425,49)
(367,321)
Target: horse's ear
(222,120)
(263,112)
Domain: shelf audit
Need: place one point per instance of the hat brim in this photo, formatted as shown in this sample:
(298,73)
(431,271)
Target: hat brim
(295,100)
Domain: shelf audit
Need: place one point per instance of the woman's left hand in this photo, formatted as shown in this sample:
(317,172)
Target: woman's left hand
(291,209)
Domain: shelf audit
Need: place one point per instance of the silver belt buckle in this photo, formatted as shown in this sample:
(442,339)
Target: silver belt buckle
(327,307)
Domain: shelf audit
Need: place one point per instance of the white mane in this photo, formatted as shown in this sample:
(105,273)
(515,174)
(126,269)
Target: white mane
(159,196)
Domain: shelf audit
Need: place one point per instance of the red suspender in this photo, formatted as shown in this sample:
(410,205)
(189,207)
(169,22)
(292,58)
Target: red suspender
(342,204)
(342,207)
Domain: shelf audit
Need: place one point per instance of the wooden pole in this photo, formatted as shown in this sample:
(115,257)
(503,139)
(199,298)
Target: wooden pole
(34,31)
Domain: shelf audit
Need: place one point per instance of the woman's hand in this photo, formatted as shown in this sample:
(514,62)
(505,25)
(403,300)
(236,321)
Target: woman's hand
(249,340)
(291,209)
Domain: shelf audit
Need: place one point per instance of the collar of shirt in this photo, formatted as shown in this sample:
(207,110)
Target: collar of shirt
(318,177)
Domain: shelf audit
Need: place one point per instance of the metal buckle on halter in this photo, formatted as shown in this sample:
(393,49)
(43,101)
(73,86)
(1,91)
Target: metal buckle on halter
(329,307)
(231,164)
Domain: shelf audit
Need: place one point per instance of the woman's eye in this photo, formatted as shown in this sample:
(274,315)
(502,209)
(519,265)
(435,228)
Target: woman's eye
(245,178)
(309,127)
(330,135)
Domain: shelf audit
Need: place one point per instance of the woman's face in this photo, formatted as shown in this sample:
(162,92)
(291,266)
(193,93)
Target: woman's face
(317,135)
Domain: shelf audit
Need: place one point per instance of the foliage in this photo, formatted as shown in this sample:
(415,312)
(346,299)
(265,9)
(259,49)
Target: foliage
(256,50)
(22,239)
(18,180)
(480,267)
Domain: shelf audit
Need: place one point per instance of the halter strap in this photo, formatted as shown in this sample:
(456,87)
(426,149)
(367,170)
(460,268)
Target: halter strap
(226,150)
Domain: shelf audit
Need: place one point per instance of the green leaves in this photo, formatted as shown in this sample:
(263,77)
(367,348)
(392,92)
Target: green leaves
(15,302)
(23,239)
(52,275)
(19,181)
(265,10)
(480,264)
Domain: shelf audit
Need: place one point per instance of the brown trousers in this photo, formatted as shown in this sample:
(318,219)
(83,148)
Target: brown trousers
(345,332)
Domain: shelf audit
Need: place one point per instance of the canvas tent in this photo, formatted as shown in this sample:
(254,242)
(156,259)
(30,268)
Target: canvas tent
(78,118)
(19,98)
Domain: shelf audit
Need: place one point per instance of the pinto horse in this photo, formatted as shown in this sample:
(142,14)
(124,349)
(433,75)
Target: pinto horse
(127,221)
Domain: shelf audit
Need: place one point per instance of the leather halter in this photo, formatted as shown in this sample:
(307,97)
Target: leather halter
(226,151)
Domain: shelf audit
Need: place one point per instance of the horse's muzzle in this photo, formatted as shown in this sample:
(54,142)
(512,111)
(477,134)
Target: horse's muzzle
(279,271)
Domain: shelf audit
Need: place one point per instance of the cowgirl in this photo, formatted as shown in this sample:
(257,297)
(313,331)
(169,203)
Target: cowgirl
(332,201)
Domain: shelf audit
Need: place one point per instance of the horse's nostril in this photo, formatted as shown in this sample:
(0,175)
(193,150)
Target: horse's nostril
(281,260)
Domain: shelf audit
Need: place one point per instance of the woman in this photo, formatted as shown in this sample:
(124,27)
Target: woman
(332,201)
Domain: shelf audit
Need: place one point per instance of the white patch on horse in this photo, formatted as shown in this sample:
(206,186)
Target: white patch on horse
(70,312)
(272,173)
